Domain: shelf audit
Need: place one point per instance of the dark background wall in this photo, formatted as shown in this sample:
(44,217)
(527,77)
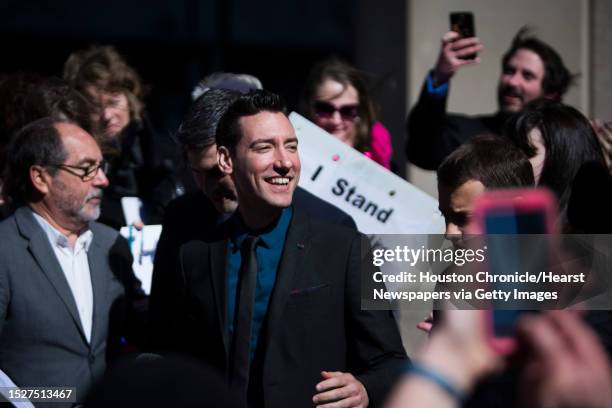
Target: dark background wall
(174,44)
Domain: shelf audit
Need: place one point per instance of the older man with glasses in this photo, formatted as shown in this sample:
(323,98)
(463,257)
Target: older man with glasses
(61,273)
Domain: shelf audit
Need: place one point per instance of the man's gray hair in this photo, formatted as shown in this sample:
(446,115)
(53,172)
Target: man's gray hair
(242,83)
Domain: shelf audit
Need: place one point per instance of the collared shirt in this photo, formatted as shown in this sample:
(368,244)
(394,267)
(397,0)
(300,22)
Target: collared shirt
(269,251)
(75,265)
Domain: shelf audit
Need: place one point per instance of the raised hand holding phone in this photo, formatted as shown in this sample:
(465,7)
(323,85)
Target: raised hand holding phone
(462,22)
(459,47)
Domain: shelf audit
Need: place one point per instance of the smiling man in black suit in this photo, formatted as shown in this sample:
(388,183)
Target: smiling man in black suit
(274,303)
(198,214)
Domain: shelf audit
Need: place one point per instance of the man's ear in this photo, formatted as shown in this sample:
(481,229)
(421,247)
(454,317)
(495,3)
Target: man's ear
(40,179)
(224,159)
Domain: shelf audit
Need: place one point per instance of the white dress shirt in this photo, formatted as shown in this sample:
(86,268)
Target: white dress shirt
(75,266)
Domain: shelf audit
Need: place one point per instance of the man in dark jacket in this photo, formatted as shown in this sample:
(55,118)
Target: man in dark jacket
(273,302)
(197,214)
(530,69)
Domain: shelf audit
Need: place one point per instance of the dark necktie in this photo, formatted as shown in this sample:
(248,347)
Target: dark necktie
(241,345)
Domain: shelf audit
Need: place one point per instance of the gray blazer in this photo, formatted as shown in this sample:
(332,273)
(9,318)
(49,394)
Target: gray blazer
(42,343)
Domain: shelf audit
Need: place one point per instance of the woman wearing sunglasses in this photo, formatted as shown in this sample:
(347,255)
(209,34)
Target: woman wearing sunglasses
(336,98)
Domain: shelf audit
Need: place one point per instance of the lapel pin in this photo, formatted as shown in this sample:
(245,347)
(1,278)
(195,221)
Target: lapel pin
(300,246)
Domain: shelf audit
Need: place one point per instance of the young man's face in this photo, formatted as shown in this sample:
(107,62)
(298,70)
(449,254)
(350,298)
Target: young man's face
(520,81)
(265,165)
(456,206)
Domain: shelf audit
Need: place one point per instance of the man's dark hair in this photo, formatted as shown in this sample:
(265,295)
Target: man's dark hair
(252,103)
(490,159)
(199,126)
(14,90)
(53,97)
(25,98)
(568,137)
(38,143)
(557,78)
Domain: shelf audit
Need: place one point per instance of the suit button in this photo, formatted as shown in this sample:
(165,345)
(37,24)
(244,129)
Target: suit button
(92,358)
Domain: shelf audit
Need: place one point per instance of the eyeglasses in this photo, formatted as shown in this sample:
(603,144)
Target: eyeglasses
(326,110)
(85,173)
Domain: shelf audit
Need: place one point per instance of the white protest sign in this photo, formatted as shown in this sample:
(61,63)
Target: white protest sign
(131,210)
(379,201)
(143,244)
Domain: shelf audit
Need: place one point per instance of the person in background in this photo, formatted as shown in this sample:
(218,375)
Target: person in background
(111,84)
(558,140)
(13,92)
(483,163)
(336,98)
(603,130)
(530,69)
(25,98)
(139,166)
(486,162)
(53,97)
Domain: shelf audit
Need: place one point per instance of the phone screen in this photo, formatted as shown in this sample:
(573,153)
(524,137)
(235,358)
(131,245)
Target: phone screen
(462,22)
(507,253)
(510,222)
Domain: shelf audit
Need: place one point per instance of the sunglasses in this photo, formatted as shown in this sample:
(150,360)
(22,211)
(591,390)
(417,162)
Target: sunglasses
(326,110)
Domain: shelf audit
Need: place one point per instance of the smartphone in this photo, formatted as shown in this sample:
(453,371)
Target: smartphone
(502,216)
(462,22)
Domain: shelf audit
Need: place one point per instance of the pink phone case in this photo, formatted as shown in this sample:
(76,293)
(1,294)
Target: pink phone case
(520,201)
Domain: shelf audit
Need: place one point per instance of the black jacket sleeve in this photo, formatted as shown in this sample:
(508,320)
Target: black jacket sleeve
(377,346)
(433,133)
(429,136)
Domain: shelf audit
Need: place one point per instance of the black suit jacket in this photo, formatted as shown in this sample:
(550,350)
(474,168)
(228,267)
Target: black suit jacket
(314,320)
(42,342)
(193,217)
(433,133)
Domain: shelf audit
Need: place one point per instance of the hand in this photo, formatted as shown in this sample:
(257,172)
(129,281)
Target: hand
(426,324)
(567,367)
(459,348)
(340,390)
(603,130)
(139,225)
(452,50)
(458,351)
